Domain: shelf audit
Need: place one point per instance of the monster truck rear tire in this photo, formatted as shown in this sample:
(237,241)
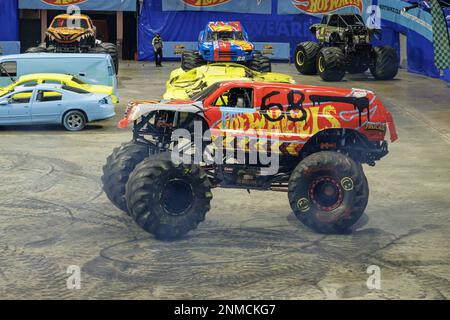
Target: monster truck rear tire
(118,168)
(386,63)
(328,192)
(260,63)
(191,60)
(112,50)
(101,49)
(331,64)
(167,199)
(306,56)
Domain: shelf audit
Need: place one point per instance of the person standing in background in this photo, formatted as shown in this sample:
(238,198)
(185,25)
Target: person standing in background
(157,44)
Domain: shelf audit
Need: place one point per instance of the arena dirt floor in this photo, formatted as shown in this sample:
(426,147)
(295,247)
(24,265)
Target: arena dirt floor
(53,214)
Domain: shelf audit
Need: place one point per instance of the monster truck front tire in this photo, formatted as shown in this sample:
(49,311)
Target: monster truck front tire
(328,192)
(306,56)
(331,64)
(191,60)
(167,199)
(260,63)
(386,63)
(118,168)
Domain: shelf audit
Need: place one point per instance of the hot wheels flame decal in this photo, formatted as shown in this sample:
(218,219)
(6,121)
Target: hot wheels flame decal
(220,26)
(255,124)
(326,6)
(204,3)
(244,45)
(63,2)
(291,125)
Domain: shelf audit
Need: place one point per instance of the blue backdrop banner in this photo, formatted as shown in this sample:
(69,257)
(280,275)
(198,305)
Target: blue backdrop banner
(185,26)
(320,7)
(98,5)
(289,23)
(416,25)
(9,21)
(248,6)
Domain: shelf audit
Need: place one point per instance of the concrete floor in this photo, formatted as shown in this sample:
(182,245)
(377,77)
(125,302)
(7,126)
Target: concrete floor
(53,214)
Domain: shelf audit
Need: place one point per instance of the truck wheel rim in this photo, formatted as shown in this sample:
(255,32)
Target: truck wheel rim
(75,121)
(300,58)
(326,194)
(177,197)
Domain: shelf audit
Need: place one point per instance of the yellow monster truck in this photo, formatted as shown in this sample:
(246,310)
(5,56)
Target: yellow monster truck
(74,34)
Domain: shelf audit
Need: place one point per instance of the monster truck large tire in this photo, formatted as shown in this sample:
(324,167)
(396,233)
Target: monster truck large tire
(331,64)
(260,63)
(118,168)
(328,192)
(191,60)
(107,50)
(386,63)
(306,56)
(112,50)
(167,199)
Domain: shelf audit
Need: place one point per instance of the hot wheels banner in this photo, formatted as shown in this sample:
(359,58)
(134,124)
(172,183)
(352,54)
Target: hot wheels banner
(320,7)
(99,5)
(239,6)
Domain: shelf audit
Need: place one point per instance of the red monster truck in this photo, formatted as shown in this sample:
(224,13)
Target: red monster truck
(321,137)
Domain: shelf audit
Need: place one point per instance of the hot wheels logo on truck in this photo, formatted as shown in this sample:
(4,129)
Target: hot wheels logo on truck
(204,3)
(63,2)
(326,6)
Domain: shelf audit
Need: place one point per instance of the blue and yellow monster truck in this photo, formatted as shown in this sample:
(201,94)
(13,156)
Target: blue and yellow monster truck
(225,41)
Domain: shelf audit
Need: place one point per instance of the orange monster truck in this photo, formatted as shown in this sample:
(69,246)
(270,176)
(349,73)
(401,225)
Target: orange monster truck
(74,34)
(230,135)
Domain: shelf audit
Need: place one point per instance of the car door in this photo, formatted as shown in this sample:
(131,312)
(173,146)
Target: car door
(47,106)
(16,109)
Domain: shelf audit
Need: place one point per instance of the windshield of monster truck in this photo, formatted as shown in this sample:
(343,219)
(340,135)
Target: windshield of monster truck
(62,23)
(353,20)
(224,35)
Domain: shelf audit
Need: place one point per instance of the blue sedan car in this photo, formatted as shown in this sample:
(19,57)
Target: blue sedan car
(54,104)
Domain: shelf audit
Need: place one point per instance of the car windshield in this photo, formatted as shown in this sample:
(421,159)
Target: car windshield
(225,35)
(201,96)
(353,20)
(62,23)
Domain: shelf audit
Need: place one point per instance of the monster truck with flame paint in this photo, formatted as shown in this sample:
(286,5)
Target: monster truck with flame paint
(322,136)
(225,41)
(344,44)
(74,34)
